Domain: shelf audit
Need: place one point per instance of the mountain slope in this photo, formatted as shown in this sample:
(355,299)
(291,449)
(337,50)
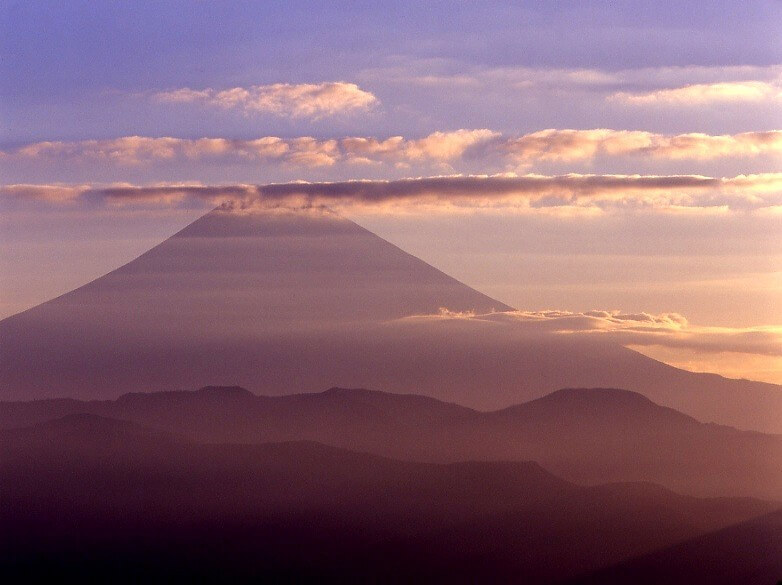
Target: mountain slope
(749,552)
(93,498)
(584,435)
(291,301)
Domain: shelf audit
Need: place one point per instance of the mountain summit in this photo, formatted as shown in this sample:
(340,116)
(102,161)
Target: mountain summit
(285,301)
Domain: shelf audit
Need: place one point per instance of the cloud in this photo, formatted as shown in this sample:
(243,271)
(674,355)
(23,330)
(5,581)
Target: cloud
(669,330)
(750,80)
(305,151)
(572,193)
(123,151)
(535,193)
(439,150)
(730,364)
(51,193)
(304,100)
(571,145)
(438,147)
(704,93)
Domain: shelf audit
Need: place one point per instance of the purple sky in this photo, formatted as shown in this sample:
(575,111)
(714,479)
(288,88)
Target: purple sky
(98,94)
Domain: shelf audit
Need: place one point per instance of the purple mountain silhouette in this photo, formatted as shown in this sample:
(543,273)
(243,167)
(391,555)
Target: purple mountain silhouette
(90,499)
(749,552)
(583,435)
(290,301)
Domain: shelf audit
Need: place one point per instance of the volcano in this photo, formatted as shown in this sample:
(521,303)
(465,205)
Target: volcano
(285,301)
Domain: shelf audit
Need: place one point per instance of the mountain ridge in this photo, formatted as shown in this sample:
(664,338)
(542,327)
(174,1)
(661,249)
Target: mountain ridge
(583,435)
(748,552)
(299,508)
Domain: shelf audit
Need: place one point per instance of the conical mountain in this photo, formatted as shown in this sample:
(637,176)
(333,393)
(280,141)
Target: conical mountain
(286,301)
(230,282)
(253,271)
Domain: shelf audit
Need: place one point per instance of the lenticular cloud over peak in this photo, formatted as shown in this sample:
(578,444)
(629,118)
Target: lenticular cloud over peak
(448,194)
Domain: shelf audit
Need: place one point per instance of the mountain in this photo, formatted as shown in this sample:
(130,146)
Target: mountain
(290,301)
(750,552)
(583,435)
(91,498)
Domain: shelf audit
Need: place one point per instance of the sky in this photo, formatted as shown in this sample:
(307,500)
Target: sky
(568,156)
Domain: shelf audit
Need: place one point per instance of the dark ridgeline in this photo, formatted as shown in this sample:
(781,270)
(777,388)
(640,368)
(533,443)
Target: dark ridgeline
(91,498)
(294,301)
(583,435)
(749,552)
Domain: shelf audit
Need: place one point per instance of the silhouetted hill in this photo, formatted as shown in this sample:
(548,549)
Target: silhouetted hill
(289,301)
(585,435)
(750,552)
(81,426)
(164,509)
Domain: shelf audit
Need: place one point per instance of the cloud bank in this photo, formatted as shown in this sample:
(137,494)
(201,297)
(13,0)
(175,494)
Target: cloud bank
(754,352)
(571,145)
(304,100)
(449,194)
(671,330)
(438,148)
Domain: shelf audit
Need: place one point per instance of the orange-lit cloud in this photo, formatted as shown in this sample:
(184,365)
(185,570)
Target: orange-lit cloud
(730,364)
(304,151)
(304,100)
(668,336)
(483,145)
(453,194)
(51,193)
(571,145)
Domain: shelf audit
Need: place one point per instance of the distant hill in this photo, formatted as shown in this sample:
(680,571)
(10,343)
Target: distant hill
(86,497)
(585,435)
(291,301)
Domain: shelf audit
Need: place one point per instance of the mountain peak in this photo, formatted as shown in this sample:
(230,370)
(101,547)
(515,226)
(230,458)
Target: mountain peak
(604,395)
(339,391)
(611,404)
(88,427)
(271,269)
(225,392)
(231,279)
